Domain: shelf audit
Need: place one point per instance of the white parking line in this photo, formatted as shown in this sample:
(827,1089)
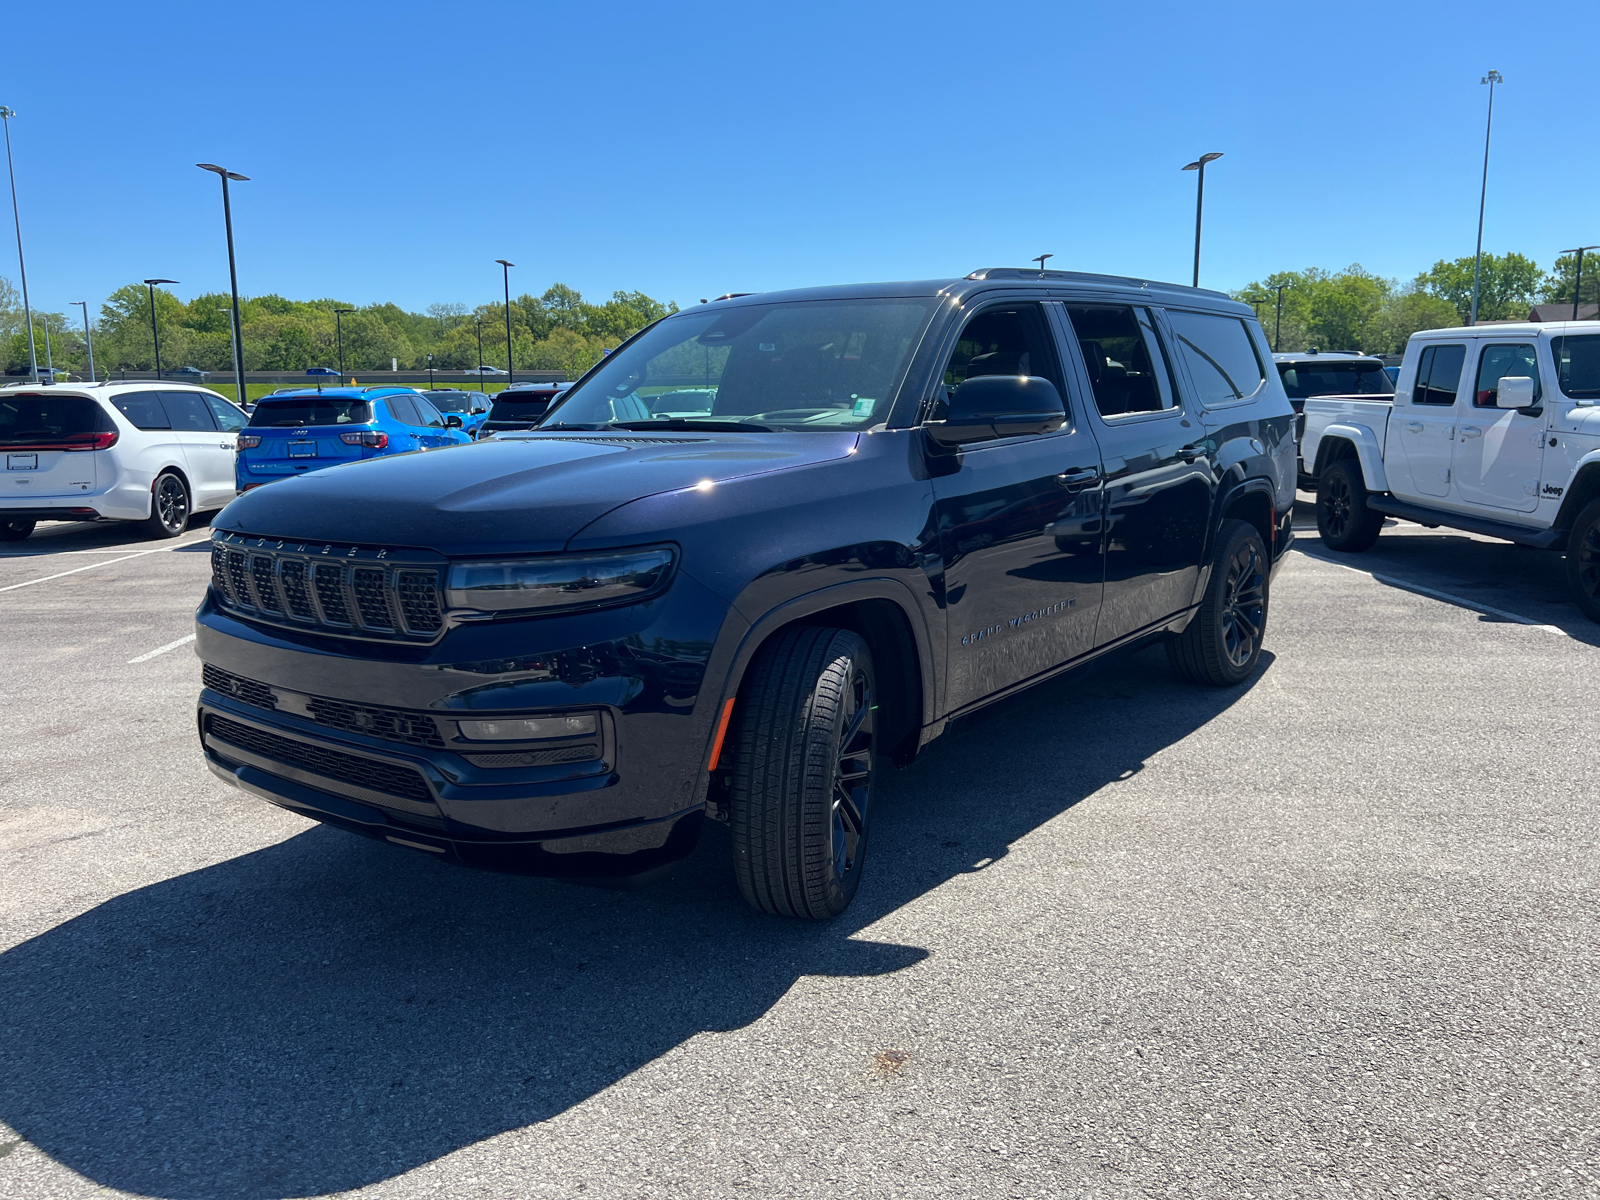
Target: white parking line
(1433,594)
(11,587)
(149,654)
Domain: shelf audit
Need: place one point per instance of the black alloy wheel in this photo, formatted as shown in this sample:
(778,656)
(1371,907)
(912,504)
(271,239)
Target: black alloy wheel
(15,531)
(1344,522)
(1221,645)
(169,507)
(802,755)
(1583,560)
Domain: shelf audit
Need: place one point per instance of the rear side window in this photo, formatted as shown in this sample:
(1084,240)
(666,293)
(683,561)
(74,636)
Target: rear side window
(188,412)
(1438,375)
(143,409)
(402,409)
(1127,365)
(29,419)
(1220,355)
(1578,365)
(310,410)
(1304,380)
(430,414)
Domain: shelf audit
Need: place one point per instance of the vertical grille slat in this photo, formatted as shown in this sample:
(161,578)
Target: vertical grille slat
(350,590)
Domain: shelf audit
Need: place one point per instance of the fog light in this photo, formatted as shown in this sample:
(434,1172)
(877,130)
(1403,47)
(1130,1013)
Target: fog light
(532,729)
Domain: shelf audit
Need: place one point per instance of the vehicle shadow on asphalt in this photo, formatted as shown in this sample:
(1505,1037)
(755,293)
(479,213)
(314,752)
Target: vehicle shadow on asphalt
(330,1012)
(111,536)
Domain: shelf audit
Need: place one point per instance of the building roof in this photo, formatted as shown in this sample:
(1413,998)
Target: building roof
(1563,312)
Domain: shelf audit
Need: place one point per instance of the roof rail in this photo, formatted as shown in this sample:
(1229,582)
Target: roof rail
(988,273)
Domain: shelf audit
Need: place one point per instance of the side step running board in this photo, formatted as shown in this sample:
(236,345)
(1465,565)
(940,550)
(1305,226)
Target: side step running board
(1539,539)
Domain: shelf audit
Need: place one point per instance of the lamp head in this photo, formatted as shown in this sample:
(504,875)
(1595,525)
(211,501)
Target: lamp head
(6,113)
(223,171)
(153,282)
(1493,77)
(342,311)
(504,263)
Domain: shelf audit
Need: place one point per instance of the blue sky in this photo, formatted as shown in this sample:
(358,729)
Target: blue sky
(397,149)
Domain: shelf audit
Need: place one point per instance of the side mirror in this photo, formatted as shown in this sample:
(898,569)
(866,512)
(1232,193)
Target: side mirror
(999,406)
(452,420)
(1515,391)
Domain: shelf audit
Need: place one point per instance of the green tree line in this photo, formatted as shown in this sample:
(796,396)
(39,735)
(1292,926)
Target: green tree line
(556,331)
(1354,309)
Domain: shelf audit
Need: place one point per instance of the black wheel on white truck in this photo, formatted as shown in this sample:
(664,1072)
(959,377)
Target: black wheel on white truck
(1344,521)
(1583,560)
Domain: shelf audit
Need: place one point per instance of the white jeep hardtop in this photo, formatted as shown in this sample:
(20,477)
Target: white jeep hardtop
(1494,429)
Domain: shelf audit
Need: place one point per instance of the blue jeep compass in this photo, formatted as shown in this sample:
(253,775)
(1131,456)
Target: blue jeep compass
(767,547)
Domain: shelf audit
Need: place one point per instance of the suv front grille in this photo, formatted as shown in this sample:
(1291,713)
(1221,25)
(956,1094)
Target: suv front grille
(361,772)
(359,593)
(390,724)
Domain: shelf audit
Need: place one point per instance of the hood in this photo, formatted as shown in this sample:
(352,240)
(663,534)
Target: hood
(527,494)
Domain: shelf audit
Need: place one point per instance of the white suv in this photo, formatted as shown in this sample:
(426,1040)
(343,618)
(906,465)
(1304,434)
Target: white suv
(148,452)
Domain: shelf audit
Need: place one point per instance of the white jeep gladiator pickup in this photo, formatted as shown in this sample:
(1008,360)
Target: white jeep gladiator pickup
(1494,429)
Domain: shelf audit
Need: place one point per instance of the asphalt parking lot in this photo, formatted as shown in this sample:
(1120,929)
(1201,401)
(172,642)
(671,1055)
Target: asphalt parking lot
(1329,934)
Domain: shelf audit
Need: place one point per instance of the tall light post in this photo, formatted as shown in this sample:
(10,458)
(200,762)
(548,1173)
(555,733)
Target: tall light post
(49,359)
(430,372)
(338,334)
(1277,326)
(233,273)
(155,333)
(227,312)
(511,370)
(1577,283)
(478,320)
(1492,78)
(87,340)
(27,311)
(1199,164)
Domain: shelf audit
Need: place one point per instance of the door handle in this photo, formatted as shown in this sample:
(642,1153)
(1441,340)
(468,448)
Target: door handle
(1191,452)
(1413,426)
(1470,431)
(227,446)
(1078,478)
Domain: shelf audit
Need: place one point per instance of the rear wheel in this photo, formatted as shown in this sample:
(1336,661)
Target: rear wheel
(802,773)
(1583,561)
(1343,519)
(1222,643)
(15,531)
(169,507)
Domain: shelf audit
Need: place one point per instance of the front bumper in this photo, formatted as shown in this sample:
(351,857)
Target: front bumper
(362,736)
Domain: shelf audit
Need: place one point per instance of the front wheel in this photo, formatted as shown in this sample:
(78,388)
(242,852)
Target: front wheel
(1222,643)
(15,531)
(1583,561)
(169,507)
(1344,521)
(802,773)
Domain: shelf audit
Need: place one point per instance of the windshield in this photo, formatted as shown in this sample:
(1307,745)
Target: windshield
(450,401)
(819,364)
(1578,365)
(310,410)
(1301,380)
(518,410)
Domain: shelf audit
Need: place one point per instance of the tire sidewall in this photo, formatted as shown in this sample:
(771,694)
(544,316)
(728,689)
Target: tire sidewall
(1587,602)
(155,523)
(1235,540)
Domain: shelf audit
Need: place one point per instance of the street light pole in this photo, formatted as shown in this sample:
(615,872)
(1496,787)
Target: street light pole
(511,370)
(338,335)
(229,314)
(155,333)
(1577,283)
(1492,78)
(87,340)
(430,372)
(1199,164)
(49,359)
(1277,327)
(478,320)
(233,273)
(27,311)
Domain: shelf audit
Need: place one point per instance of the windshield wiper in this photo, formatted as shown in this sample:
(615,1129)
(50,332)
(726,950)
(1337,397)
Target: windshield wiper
(691,424)
(557,425)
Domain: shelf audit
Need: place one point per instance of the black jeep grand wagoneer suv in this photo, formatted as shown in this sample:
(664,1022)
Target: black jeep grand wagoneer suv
(767,545)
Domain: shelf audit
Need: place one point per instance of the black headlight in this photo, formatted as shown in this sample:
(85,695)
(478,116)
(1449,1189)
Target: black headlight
(560,582)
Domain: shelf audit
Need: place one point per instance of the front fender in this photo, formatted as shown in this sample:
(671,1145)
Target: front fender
(1368,451)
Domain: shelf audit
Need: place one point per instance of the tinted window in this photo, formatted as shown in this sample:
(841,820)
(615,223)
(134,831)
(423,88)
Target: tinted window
(1438,374)
(31,419)
(1302,380)
(457,402)
(518,409)
(228,417)
(310,410)
(1496,363)
(430,415)
(143,409)
(1220,355)
(1003,341)
(1578,365)
(820,364)
(400,406)
(188,412)
(1127,366)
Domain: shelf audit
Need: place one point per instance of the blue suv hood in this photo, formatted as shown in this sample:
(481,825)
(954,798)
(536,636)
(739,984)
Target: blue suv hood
(525,495)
